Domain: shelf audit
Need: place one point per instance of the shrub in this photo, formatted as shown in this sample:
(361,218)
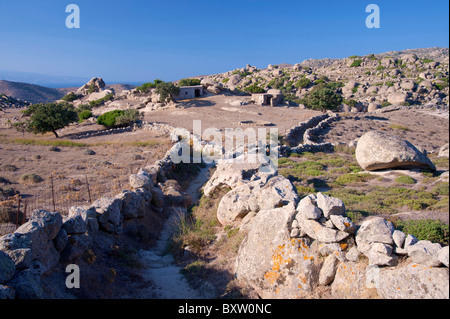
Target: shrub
(254,89)
(128,117)
(441,189)
(385,104)
(189,82)
(108,119)
(349,179)
(84,115)
(144,88)
(356,63)
(405,180)
(31,178)
(99,102)
(322,98)
(303,83)
(70,97)
(351,103)
(428,229)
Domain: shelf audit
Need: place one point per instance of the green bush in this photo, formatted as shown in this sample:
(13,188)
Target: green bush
(385,104)
(70,97)
(323,98)
(303,83)
(441,189)
(405,180)
(351,103)
(349,179)
(144,88)
(254,89)
(428,229)
(101,101)
(189,82)
(356,63)
(129,117)
(84,115)
(108,119)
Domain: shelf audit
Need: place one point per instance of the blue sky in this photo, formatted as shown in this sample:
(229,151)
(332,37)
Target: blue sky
(137,40)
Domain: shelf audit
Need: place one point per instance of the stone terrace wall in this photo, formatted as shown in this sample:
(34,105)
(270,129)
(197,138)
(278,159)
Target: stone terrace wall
(301,137)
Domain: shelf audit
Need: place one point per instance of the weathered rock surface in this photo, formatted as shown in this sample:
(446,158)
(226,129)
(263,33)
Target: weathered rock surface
(414,282)
(376,151)
(275,265)
(256,196)
(426,253)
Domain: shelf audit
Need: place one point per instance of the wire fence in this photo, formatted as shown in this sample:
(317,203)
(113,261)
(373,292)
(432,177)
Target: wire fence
(57,195)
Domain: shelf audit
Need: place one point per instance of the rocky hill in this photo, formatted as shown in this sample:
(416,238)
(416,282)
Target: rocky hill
(29,92)
(7,102)
(409,77)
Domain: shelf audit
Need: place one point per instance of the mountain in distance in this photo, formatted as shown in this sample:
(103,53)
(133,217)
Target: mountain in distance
(51,81)
(29,92)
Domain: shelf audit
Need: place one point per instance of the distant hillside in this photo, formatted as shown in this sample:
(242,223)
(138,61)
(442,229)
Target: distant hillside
(29,92)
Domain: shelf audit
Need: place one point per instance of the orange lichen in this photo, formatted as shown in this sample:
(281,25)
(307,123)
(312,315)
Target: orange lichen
(343,246)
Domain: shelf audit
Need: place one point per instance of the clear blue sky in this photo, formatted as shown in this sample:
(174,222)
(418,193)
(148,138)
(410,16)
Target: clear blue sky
(137,40)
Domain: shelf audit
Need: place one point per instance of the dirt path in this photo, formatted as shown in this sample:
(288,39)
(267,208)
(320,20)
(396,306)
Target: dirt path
(160,266)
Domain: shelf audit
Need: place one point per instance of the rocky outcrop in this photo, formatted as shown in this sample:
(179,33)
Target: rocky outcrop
(376,151)
(94,85)
(289,252)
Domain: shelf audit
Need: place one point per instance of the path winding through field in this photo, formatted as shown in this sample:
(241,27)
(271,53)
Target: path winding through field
(160,266)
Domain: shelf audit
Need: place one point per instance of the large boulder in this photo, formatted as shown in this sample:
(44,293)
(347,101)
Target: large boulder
(275,265)
(40,231)
(377,151)
(397,98)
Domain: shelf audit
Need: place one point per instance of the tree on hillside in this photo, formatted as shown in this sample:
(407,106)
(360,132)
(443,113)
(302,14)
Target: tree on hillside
(167,91)
(51,117)
(323,98)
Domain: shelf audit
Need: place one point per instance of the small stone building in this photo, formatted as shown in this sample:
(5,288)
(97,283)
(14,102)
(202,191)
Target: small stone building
(271,98)
(190,92)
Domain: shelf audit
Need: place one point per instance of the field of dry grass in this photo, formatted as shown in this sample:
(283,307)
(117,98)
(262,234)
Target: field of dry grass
(69,172)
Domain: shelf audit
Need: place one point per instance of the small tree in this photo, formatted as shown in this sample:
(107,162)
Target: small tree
(51,117)
(323,98)
(167,91)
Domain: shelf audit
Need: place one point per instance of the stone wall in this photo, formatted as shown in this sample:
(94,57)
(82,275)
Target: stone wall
(301,137)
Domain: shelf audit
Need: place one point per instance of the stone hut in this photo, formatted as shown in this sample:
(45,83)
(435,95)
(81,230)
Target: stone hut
(272,98)
(190,92)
